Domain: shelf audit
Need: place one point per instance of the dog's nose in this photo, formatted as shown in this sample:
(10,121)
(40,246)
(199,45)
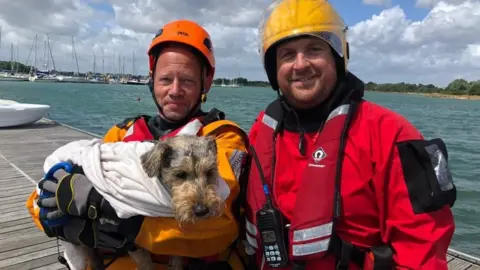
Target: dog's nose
(201,210)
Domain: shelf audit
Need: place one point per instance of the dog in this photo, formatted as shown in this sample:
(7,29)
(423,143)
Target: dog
(187,167)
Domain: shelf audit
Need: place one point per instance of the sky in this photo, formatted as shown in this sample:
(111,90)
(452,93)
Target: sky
(414,41)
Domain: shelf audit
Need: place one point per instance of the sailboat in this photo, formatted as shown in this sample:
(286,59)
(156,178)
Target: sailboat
(75,78)
(135,80)
(233,84)
(43,75)
(13,75)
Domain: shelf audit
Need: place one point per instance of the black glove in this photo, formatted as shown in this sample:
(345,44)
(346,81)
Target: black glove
(74,211)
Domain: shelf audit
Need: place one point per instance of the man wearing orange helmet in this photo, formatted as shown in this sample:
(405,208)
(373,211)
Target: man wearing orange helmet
(182,66)
(335,181)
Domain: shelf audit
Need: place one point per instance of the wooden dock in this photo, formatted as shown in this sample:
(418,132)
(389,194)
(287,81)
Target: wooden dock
(22,153)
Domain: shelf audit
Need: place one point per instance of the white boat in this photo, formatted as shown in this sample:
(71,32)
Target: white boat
(13,113)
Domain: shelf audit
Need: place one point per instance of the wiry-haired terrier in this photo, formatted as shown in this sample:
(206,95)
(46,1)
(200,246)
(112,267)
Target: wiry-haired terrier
(187,166)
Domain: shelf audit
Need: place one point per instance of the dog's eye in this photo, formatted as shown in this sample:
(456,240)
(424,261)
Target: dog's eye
(181,175)
(210,173)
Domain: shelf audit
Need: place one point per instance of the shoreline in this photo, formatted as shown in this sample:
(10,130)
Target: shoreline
(434,95)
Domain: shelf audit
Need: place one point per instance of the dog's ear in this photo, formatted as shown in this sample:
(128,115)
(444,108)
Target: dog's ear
(212,144)
(153,160)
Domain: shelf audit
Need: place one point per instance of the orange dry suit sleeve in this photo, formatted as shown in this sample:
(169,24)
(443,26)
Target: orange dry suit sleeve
(418,229)
(31,205)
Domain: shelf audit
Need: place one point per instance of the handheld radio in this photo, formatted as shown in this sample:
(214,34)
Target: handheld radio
(271,227)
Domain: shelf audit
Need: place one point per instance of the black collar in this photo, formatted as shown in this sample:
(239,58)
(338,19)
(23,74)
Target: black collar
(311,120)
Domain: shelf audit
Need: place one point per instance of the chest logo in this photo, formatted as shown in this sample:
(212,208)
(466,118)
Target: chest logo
(318,155)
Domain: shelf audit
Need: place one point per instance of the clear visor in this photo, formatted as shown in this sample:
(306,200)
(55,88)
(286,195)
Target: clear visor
(332,39)
(261,24)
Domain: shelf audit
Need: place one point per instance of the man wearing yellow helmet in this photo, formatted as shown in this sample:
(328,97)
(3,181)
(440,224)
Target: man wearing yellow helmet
(335,181)
(182,66)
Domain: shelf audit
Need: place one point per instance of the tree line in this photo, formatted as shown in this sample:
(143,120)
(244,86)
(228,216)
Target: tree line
(241,81)
(456,87)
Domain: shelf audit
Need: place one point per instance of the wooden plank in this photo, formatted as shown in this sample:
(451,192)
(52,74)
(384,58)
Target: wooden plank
(458,264)
(7,206)
(16,222)
(15,228)
(37,263)
(55,266)
(462,261)
(22,154)
(24,241)
(39,254)
(10,209)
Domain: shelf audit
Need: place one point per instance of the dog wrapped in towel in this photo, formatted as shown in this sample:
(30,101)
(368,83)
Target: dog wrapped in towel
(176,177)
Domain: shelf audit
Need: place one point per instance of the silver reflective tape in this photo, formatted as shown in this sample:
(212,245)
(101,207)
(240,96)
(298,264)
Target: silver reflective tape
(129,131)
(252,241)
(440,166)
(235,160)
(310,248)
(251,229)
(340,110)
(248,248)
(192,128)
(269,121)
(313,232)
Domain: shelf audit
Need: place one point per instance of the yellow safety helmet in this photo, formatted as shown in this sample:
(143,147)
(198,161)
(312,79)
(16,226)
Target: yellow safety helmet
(285,19)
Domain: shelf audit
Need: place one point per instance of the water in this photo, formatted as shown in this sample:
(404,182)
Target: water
(96,108)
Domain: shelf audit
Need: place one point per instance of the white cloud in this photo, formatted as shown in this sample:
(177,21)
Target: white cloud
(390,47)
(386,47)
(432,3)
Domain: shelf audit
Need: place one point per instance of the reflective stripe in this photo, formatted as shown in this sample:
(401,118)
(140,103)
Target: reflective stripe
(310,248)
(252,241)
(313,232)
(236,160)
(340,110)
(129,131)
(440,167)
(269,121)
(248,248)
(192,128)
(35,204)
(251,228)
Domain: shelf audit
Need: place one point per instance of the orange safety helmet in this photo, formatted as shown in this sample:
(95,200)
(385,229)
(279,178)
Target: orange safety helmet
(285,19)
(188,33)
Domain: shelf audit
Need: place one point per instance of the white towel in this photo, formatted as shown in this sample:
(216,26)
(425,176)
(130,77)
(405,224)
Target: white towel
(116,172)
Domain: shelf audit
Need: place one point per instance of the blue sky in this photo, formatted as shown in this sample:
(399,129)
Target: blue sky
(102,6)
(355,11)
